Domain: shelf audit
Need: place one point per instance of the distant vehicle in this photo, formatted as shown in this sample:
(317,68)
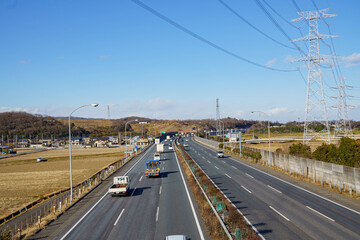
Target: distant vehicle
(187,140)
(121,185)
(186,145)
(40,159)
(170,147)
(152,168)
(167,137)
(12,151)
(157,140)
(160,148)
(157,156)
(175,237)
(220,154)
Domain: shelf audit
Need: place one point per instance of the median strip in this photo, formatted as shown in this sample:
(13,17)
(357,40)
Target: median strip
(217,211)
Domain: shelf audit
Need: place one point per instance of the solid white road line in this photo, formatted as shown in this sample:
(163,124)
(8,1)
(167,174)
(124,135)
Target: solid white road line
(160,190)
(216,167)
(274,189)
(83,216)
(279,213)
(157,213)
(246,189)
(191,204)
(227,175)
(133,192)
(119,217)
(234,167)
(140,178)
(77,223)
(321,214)
(249,175)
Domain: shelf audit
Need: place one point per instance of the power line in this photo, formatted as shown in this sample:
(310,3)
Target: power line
(273,20)
(189,32)
(251,25)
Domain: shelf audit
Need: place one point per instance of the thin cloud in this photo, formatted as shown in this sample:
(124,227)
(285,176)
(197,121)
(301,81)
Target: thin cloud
(24,61)
(352,60)
(271,62)
(276,111)
(61,57)
(103,57)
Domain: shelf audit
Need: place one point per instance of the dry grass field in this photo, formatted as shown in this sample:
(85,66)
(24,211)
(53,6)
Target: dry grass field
(23,180)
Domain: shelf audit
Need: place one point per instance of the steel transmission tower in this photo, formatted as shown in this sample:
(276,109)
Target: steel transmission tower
(342,125)
(218,127)
(315,111)
(108,111)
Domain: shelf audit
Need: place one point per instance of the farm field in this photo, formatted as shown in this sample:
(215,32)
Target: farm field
(23,180)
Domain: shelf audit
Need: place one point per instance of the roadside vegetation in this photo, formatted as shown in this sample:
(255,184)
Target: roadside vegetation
(346,153)
(233,220)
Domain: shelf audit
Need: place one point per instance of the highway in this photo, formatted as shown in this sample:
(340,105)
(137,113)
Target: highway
(276,208)
(153,209)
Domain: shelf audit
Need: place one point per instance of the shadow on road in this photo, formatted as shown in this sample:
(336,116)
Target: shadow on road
(165,174)
(139,191)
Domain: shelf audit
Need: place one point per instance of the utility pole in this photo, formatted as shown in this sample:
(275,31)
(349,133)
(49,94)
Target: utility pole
(108,111)
(315,111)
(218,124)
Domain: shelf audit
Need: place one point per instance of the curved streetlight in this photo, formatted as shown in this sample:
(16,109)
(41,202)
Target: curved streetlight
(268,132)
(125,135)
(71,185)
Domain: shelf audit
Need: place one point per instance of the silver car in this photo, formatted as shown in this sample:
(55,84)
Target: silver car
(220,154)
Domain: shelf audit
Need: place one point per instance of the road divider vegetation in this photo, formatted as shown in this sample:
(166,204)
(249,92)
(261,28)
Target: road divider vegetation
(222,219)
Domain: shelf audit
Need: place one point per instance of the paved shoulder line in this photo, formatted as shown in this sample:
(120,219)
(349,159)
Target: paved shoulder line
(191,204)
(82,218)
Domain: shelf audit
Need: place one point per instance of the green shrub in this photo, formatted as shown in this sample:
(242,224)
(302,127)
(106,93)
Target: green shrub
(250,153)
(300,150)
(221,145)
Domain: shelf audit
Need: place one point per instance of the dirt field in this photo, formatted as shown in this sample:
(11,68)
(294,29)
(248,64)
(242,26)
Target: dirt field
(23,180)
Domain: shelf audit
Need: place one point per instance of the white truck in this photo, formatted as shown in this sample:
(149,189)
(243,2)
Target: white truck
(160,148)
(157,156)
(121,185)
(167,137)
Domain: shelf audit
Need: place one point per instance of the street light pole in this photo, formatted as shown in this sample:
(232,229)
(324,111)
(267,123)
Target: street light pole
(71,185)
(268,133)
(125,136)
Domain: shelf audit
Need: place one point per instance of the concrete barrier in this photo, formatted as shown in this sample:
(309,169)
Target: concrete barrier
(342,177)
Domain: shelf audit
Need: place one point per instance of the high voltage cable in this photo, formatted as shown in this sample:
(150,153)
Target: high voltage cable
(251,25)
(189,32)
(273,20)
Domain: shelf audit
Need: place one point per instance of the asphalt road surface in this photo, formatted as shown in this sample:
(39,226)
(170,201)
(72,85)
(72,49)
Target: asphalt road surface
(153,209)
(276,208)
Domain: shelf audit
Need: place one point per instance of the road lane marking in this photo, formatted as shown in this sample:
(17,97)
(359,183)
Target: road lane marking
(321,214)
(157,213)
(227,175)
(223,161)
(133,192)
(274,189)
(279,213)
(317,195)
(216,167)
(249,175)
(246,189)
(140,178)
(119,217)
(77,223)
(191,204)
(160,190)
(234,167)
(208,161)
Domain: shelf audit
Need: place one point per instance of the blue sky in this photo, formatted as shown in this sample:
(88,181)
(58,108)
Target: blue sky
(58,55)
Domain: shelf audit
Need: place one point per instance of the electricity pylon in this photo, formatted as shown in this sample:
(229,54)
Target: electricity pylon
(315,111)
